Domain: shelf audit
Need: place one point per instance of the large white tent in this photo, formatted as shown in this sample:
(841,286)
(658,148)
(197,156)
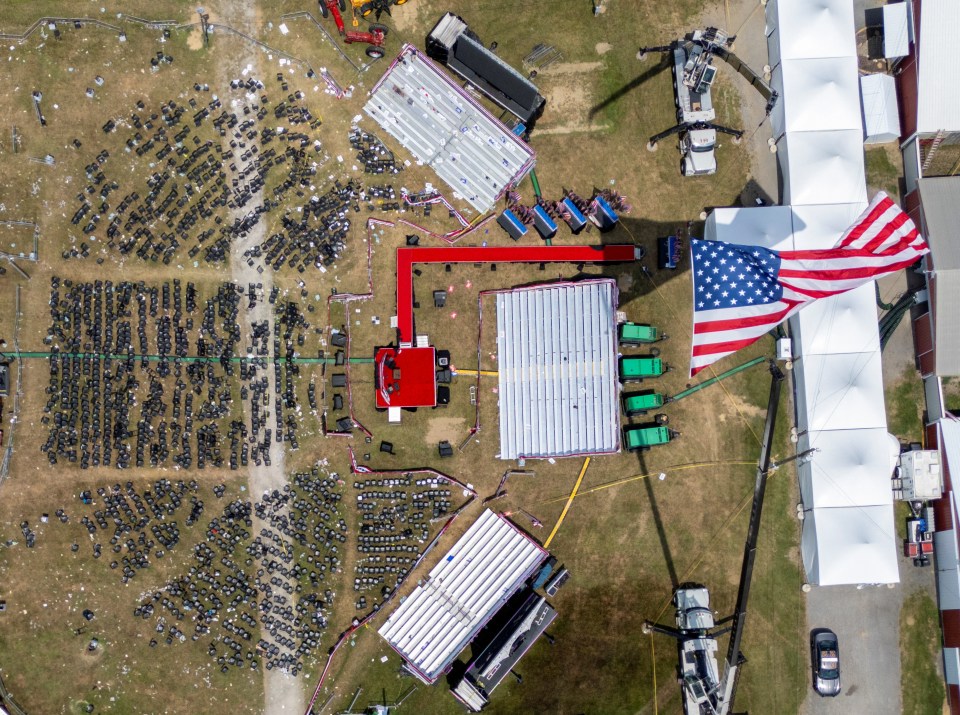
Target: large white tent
(842,391)
(823,95)
(848,535)
(844,545)
(809,28)
(837,325)
(824,167)
(817,226)
(765,226)
(848,467)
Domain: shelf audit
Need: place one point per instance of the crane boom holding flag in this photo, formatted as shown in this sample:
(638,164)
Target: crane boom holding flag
(742,292)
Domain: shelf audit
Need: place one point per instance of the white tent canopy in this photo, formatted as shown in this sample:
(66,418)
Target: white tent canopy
(821,95)
(851,468)
(839,324)
(881,118)
(817,226)
(765,226)
(842,391)
(850,545)
(810,28)
(823,167)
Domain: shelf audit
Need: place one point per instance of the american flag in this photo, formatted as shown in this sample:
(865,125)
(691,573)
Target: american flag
(742,292)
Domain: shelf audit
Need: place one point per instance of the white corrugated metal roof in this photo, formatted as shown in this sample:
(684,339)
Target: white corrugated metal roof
(556,348)
(881,116)
(445,128)
(896,30)
(474,579)
(938,100)
(940,197)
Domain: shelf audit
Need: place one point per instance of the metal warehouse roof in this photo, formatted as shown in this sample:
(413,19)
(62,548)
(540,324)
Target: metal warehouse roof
(475,578)
(938,64)
(558,385)
(939,197)
(445,128)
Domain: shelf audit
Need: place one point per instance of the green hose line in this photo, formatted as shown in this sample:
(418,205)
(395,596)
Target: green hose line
(718,378)
(194,358)
(536,184)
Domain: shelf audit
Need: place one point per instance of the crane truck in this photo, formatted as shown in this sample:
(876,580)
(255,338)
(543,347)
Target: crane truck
(693,76)
(704,688)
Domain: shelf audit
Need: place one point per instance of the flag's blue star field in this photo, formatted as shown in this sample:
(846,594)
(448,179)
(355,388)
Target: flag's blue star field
(728,276)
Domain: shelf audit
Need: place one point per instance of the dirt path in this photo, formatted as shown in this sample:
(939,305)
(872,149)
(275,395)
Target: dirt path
(283,693)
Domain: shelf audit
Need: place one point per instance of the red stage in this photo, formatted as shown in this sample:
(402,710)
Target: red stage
(406,377)
(406,257)
(410,378)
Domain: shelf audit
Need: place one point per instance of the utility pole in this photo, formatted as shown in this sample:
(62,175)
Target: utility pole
(204,26)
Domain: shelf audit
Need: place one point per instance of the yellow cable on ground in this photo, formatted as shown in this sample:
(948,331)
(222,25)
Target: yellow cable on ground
(566,507)
(468,371)
(635,477)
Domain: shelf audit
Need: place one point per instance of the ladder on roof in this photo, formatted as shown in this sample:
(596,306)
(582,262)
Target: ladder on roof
(937,141)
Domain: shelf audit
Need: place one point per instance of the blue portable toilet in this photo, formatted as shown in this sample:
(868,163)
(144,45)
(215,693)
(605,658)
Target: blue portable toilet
(543,223)
(512,225)
(577,220)
(605,216)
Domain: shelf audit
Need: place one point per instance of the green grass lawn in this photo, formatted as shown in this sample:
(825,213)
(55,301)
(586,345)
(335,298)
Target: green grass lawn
(905,407)
(623,544)
(920,679)
(882,172)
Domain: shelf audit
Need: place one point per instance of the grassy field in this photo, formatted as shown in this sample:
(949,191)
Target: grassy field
(905,406)
(921,683)
(627,539)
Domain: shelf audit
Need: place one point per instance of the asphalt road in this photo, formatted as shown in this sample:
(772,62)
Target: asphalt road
(866,621)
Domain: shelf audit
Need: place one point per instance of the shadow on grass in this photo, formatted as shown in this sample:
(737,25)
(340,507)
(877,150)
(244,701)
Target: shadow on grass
(637,81)
(658,523)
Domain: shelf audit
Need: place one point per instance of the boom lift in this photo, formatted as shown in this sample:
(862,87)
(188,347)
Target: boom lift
(705,691)
(693,76)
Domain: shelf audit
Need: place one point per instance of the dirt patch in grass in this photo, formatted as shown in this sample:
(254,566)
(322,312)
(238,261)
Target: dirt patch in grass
(444,428)
(195,39)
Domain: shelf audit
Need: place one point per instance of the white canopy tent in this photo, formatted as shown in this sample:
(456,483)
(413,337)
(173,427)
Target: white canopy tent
(881,117)
(851,468)
(842,391)
(818,94)
(838,324)
(823,167)
(765,226)
(817,226)
(844,545)
(809,28)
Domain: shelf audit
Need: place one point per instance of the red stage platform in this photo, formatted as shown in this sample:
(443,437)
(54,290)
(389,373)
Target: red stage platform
(406,377)
(406,257)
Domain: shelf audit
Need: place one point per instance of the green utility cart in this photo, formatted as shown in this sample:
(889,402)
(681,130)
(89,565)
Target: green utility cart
(639,403)
(635,334)
(635,369)
(639,438)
